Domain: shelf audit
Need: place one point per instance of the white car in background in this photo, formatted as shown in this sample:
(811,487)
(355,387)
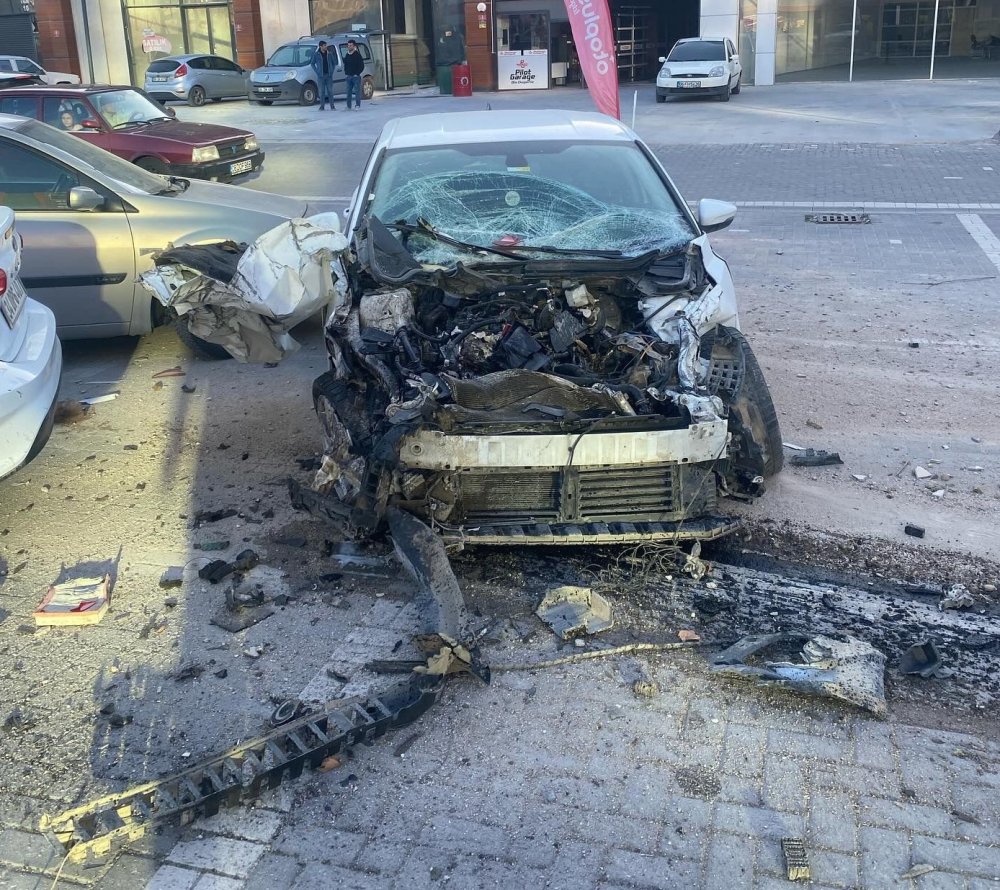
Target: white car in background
(700,66)
(30,359)
(24,65)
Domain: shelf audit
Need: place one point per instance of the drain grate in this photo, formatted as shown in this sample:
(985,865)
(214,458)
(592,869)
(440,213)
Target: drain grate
(842,218)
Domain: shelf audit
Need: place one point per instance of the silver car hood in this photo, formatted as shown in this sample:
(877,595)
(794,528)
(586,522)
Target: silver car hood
(222,195)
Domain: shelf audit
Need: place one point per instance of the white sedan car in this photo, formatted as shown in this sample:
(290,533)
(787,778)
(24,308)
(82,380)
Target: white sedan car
(700,66)
(30,360)
(24,65)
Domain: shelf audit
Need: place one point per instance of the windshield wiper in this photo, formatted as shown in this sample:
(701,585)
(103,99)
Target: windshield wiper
(423,227)
(567,251)
(125,124)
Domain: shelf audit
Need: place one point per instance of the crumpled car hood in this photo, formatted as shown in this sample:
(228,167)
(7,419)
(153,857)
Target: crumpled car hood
(247,299)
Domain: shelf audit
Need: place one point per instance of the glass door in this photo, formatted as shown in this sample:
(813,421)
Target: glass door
(207,30)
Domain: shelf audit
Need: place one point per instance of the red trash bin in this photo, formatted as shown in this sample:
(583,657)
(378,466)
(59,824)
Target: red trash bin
(461,80)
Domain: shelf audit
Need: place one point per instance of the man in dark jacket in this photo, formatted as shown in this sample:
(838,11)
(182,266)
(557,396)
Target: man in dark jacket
(323,62)
(354,66)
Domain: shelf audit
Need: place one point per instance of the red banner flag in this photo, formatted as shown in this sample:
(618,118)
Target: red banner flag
(595,46)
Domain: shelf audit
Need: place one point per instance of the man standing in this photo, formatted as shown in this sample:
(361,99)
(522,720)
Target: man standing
(354,65)
(323,62)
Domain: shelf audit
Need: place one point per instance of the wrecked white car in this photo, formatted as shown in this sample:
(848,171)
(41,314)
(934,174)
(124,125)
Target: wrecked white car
(537,343)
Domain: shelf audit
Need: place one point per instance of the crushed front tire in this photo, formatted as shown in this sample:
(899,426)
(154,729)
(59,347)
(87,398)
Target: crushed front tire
(738,379)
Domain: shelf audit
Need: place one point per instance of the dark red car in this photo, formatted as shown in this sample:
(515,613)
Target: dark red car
(131,124)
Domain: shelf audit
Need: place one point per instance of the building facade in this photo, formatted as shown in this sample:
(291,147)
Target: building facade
(779,40)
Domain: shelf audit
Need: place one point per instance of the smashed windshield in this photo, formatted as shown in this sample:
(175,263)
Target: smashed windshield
(293,55)
(698,51)
(584,197)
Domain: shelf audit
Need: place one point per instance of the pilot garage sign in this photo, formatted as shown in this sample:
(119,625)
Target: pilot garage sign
(526,69)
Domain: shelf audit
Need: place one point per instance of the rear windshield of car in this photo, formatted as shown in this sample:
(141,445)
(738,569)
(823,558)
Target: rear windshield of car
(294,55)
(92,156)
(699,51)
(163,65)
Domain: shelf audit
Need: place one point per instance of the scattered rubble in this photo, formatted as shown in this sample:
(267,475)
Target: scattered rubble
(914,531)
(813,458)
(921,658)
(957,597)
(848,669)
(173,576)
(571,611)
(922,473)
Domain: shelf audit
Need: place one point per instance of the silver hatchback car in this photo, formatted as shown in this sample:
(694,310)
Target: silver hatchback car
(195,78)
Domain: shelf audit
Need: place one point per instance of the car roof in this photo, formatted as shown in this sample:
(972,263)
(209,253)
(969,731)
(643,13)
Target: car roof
(701,40)
(484,126)
(85,88)
(183,57)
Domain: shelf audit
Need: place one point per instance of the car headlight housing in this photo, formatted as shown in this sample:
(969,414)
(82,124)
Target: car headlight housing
(717,71)
(289,75)
(208,153)
(665,72)
(250,144)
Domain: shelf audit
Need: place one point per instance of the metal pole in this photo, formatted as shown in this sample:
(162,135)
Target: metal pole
(635,101)
(854,30)
(937,5)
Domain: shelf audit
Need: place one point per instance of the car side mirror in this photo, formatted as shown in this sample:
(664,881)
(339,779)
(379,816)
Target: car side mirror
(714,215)
(83,198)
(90,124)
(170,112)
(663,59)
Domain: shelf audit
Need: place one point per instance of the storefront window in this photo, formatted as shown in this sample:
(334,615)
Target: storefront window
(747,46)
(161,28)
(889,39)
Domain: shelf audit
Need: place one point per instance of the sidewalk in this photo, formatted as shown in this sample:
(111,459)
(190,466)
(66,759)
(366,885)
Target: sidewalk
(889,113)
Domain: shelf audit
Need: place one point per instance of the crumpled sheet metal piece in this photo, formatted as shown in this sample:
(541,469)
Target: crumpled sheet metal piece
(847,668)
(287,274)
(571,611)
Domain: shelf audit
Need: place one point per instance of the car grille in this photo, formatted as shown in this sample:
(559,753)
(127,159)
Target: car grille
(231,150)
(660,493)
(690,76)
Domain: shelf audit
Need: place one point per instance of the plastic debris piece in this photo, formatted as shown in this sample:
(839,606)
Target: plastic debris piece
(914,531)
(844,667)
(214,515)
(97,400)
(922,473)
(571,611)
(915,871)
(170,372)
(813,458)
(796,860)
(80,601)
(957,597)
(921,658)
(793,447)
(215,571)
(212,545)
(173,576)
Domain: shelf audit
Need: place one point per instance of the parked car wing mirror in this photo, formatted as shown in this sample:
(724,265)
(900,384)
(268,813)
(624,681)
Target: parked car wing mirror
(83,198)
(90,124)
(171,112)
(714,215)
(663,59)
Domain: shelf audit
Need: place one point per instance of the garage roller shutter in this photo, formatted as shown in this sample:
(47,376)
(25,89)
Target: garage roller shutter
(17,36)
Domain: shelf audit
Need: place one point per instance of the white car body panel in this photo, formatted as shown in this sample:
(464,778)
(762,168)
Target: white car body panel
(30,363)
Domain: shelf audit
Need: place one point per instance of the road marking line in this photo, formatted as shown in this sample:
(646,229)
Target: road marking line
(982,235)
(869,205)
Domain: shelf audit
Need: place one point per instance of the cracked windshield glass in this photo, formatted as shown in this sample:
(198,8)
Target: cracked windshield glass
(577,199)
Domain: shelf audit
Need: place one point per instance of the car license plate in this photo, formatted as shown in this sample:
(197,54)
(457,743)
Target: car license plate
(240,167)
(159,78)
(688,84)
(12,302)
(264,89)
